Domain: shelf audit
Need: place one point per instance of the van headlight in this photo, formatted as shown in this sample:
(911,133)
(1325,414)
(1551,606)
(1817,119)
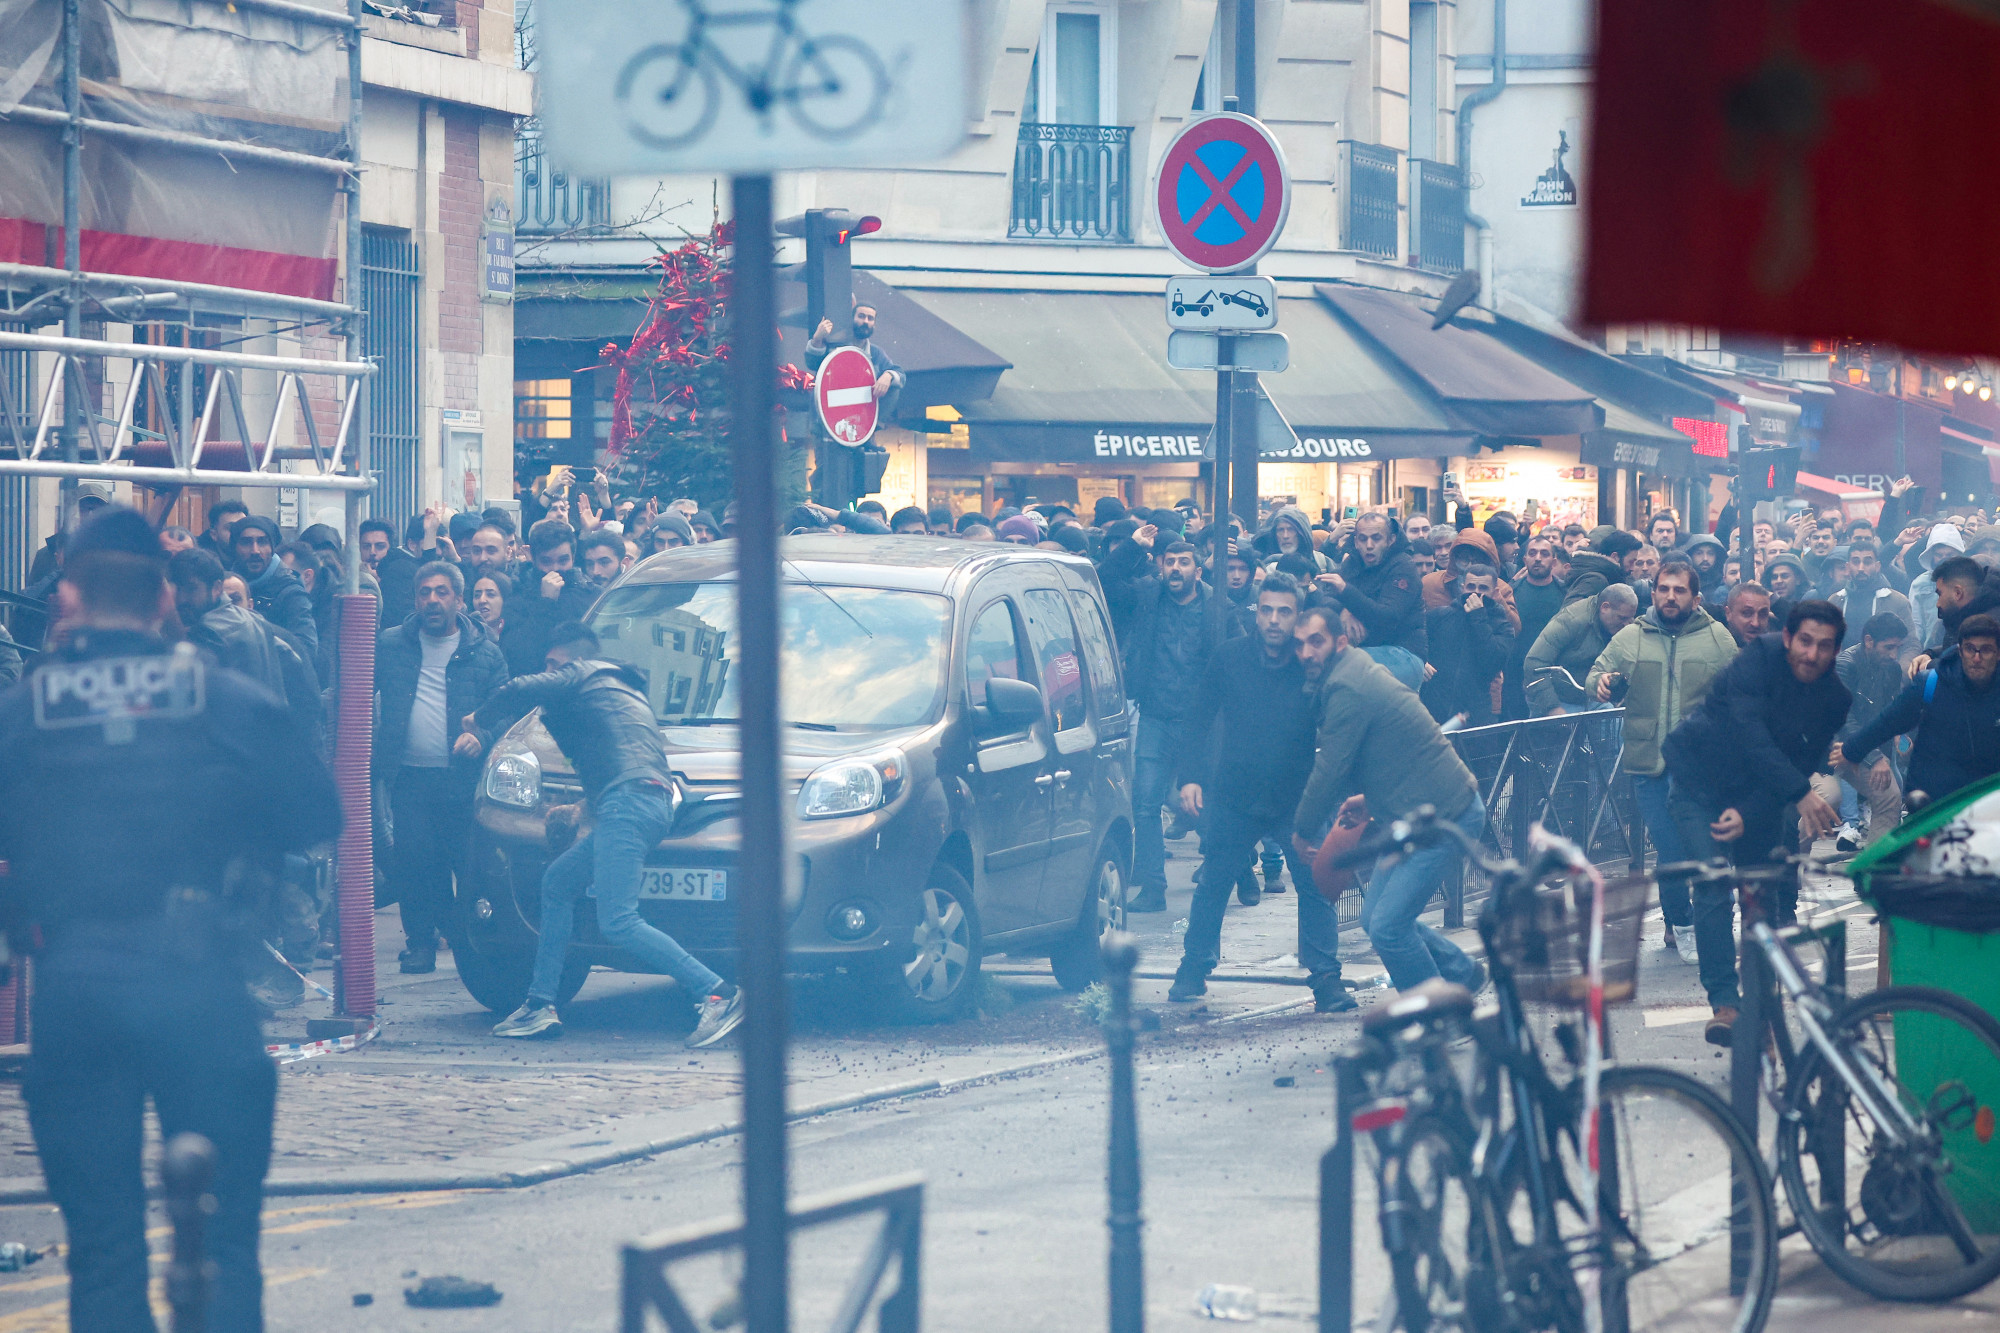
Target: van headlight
(515,779)
(852,786)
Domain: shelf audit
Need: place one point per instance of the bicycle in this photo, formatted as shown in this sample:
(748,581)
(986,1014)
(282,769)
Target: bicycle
(671,92)
(1484,1197)
(1880,1156)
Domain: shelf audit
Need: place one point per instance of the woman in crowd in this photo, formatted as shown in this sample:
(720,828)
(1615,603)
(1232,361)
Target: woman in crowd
(490,593)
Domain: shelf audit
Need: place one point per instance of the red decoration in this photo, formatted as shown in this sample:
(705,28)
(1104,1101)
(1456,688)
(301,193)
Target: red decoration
(1806,171)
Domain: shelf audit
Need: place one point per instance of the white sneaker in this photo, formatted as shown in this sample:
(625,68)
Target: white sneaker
(530,1020)
(1684,944)
(719,1018)
(1848,837)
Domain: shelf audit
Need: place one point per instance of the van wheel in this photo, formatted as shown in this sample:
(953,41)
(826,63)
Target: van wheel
(1079,959)
(935,983)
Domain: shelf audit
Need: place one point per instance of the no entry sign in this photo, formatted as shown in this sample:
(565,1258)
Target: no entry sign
(845,392)
(1223,192)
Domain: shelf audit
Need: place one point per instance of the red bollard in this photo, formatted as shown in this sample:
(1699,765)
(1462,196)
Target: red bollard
(352,747)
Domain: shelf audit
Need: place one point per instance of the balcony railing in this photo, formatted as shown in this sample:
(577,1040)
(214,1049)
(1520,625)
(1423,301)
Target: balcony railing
(550,202)
(1368,205)
(1437,216)
(1073,183)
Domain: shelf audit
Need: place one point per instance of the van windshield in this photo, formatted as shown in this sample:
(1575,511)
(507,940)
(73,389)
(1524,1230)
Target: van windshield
(853,659)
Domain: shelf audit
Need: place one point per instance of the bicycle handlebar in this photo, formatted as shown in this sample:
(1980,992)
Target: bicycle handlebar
(1423,827)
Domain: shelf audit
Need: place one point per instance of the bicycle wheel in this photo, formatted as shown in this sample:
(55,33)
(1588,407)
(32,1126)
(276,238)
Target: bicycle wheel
(836,86)
(669,95)
(1688,1222)
(1425,1214)
(1919,1222)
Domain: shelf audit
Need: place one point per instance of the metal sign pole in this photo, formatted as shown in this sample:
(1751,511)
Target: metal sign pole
(1225,412)
(760,925)
(72,89)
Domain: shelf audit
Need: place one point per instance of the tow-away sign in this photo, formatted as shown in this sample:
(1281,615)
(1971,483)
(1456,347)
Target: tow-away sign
(845,392)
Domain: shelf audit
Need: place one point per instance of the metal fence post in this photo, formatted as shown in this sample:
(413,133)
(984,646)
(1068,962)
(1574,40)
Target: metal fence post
(186,1169)
(1336,1205)
(1128,1279)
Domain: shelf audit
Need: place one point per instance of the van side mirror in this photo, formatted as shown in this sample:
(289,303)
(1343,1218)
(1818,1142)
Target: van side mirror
(1014,701)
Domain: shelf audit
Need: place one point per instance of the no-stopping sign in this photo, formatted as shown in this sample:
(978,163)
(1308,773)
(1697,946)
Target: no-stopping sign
(1223,192)
(845,392)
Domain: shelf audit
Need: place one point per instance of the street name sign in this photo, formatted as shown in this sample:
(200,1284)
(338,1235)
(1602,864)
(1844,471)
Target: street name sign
(1222,193)
(844,390)
(1268,352)
(645,87)
(1242,302)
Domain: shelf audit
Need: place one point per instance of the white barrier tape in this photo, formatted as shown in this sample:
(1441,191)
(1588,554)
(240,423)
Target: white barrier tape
(286,1054)
(324,992)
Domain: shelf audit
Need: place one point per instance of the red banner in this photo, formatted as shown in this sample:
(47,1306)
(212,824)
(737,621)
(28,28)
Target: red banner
(1804,168)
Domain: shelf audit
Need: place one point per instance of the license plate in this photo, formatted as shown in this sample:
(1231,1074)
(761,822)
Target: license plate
(708,886)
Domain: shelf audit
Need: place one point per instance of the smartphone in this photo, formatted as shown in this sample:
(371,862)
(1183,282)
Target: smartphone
(1916,500)
(585,476)
(1450,481)
(1325,515)
(1350,512)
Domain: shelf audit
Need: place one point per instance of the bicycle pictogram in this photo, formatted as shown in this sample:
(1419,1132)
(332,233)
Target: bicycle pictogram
(671,92)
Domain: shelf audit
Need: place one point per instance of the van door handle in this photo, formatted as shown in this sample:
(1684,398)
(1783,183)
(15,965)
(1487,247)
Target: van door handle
(1044,780)
(1062,775)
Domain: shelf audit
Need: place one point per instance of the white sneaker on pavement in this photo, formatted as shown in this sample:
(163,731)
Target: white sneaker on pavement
(530,1020)
(719,1018)
(1684,944)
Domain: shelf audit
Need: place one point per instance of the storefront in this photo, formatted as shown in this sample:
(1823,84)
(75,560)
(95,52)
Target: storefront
(1645,469)
(1537,484)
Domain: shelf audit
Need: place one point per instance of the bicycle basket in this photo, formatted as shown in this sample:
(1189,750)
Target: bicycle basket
(1545,942)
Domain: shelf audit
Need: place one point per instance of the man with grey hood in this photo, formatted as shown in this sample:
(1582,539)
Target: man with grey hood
(1705,553)
(1291,533)
(1944,542)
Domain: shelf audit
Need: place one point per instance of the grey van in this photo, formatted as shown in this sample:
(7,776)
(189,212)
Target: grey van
(957,746)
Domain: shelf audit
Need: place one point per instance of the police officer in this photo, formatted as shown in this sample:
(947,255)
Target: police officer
(140,786)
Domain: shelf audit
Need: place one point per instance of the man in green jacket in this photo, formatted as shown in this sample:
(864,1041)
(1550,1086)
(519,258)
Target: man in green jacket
(1377,741)
(1572,641)
(1662,663)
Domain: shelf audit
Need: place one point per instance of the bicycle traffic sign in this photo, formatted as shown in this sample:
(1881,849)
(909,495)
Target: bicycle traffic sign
(1222,193)
(642,86)
(844,391)
(1244,301)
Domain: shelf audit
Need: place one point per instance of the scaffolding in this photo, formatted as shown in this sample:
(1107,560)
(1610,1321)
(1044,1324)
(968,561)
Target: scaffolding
(162,91)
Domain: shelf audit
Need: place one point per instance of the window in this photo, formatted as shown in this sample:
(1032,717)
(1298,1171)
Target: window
(541,409)
(992,649)
(1424,81)
(1054,636)
(1104,681)
(1072,81)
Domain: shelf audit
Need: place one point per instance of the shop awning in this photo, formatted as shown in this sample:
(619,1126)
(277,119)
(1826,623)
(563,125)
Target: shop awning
(1089,380)
(1481,384)
(1865,434)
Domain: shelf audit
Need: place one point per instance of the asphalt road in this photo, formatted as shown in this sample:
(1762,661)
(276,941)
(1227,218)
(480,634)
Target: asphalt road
(1234,1114)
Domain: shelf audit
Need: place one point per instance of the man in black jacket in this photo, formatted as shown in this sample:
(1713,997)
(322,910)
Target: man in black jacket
(549,589)
(1872,671)
(1953,710)
(431,670)
(1245,784)
(597,713)
(279,596)
(1740,760)
(1379,584)
(1965,588)
(1471,640)
(1166,645)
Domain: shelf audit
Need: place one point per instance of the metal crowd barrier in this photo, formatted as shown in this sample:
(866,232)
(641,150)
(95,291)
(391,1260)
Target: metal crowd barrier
(1559,772)
(646,1286)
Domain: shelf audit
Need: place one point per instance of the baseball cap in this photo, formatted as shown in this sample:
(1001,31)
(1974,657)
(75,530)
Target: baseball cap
(94,495)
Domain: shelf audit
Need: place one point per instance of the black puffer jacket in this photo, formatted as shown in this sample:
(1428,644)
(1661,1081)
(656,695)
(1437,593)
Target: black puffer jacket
(1756,738)
(1957,729)
(475,672)
(598,715)
(1388,599)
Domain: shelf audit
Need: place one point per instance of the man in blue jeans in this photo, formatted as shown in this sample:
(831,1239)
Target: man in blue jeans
(1378,741)
(597,713)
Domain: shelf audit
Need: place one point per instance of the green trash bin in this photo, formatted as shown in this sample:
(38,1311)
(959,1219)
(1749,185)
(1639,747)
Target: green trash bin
(1962,958)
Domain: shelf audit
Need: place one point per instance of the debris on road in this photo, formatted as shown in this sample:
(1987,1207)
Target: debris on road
(1238,1305)
(451,1293)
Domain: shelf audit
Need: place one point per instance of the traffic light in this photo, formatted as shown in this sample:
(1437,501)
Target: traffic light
(1766,474)
(829,269)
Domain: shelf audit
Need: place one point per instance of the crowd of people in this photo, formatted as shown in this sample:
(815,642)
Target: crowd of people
(1795,691)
